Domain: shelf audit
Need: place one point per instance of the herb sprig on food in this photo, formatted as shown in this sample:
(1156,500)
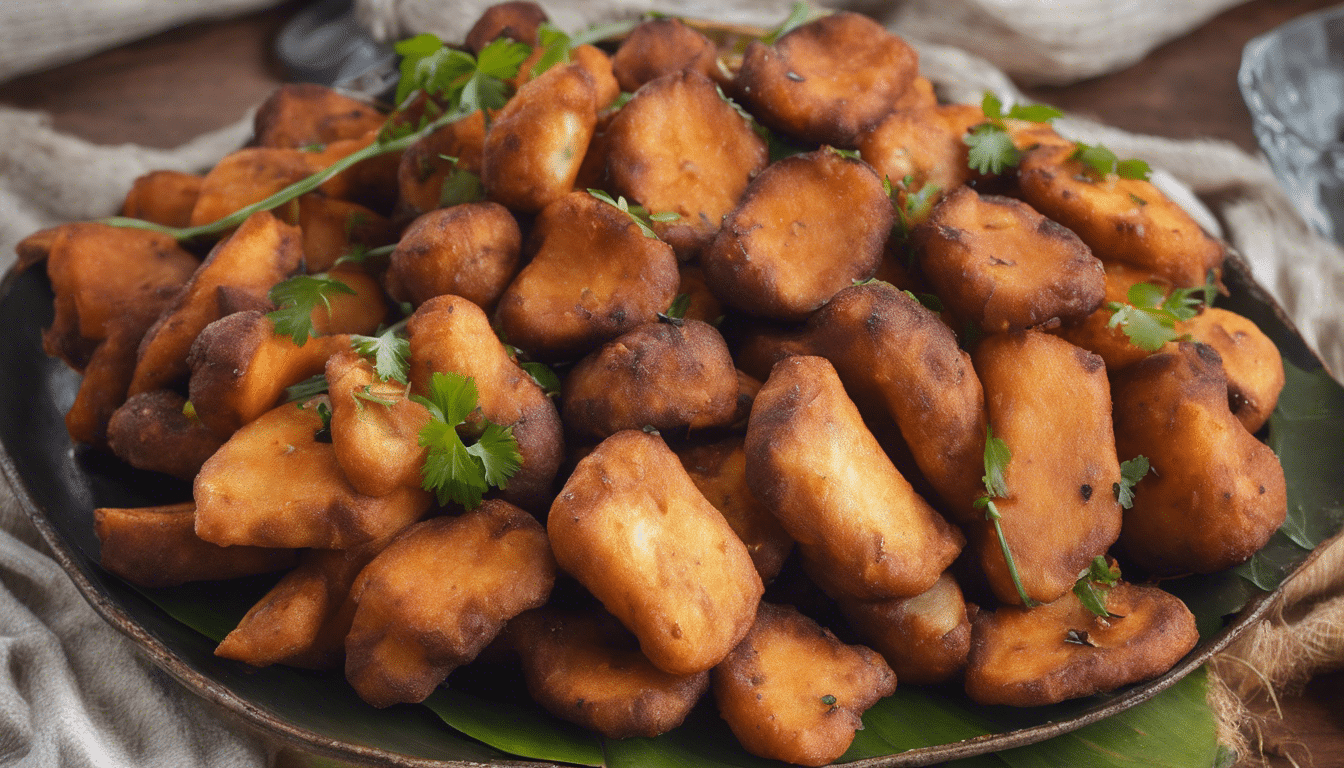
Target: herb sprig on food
(992,148)
(637,213)
(296,299)
(997,456)
(454,470)
(1104,162)
(1094,583)
(1150,317)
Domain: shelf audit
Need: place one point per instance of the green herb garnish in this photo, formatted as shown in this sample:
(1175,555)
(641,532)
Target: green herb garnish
(637,213)
(453,470)
(797,17)
(992,149)
(388,351)
(1093,584)
(997,456)
(296,298)
(1131,472)
(1150,317)
(306,390)
(1104,162)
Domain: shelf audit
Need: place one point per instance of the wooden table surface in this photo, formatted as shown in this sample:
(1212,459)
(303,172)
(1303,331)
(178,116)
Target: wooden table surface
(167,89)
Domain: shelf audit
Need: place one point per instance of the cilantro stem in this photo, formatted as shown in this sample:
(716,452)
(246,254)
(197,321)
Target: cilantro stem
(992,513)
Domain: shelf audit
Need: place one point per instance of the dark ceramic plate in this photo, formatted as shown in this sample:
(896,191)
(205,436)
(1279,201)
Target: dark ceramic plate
(59,486)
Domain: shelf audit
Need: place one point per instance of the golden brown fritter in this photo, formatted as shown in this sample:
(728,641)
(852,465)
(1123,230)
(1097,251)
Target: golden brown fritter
(923,144)
(469,250)
(1094,332)
(375,427)
(249,176)
(163,197)
(517,20)
(428,163)
(1252,363)
(924,638)
(298,115)
(662,47)
(333,228)
(150,431)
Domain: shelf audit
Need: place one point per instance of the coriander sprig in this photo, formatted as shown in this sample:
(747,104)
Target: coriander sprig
(1150,317)
(1131,472)
(296,299)
(453,470)
(997,456)
(1104,162)
(992,148)
(1094,583)
(388,351)
(637,213)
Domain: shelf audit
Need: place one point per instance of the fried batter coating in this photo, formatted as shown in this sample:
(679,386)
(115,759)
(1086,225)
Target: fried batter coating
(331,228)
(452,335)
(598,65)
(631,526)
(375,427)
(719,470)
(997,262)
(1126,220)
(1251,361)
(249,176)
(827,80)
(594,276)
(702,304)
(924,145)
(793,692)
(517,20)
(274,484)
(807,226)
(924,638)
(298,115)
(427,163)
(469,250)
(1058,651)
(1051,403)
(371,182)
(157,547)
(107,377)
(1216,494)
(678,147)
(438,594)
(586,668)
(813,463)
(163,197)
(662,47)
(150,431)
(674,377)
(536,143)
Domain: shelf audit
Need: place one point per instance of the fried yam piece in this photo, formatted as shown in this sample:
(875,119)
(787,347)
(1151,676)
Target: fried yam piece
(924,638)
(661,47)
(594,276)
(995,261)
(1216,494)
(631,526)
(298,115)
(303,620)
(517,20)
(1050,653)
(371,182)
(1126,220)
(163,197)
(1094,332)
(827,80)
(262,252)
(586,668)
(719,470)
(469,250)
(792,691)
(275,484)
(438,594)
(536,143)
(598,66)
(678,147)
(375,427)
(151,431)
(332,228)
(807,226)
(249,176)
(813,463)
(157,547)
(106,379)
(1051,403)
(675,377)
(429,162)
(1251,361)
(449,334)
(924,145)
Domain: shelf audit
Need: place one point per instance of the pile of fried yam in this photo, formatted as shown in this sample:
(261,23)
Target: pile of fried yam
(805,432)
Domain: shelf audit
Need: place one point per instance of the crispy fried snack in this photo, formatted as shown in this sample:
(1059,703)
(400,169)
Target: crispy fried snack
(1252,363)
(676,377)
(375,427)
(594,276)
(469,250)
(924,638)
(1043,655)
(828,80)
(274,484)
(298,115)
(586,668)
(818,469)
(808,226)
(923,144)
(1216,494)
(438,594)
(517,20)
(662,47)
(150,431)
(249,176)
(163,197)
(331,228)
(1051,403)
(371,182)
(598,66)
(793,692)
(631,526)
(1126,220)
(452,335)
(678,147)
(995,261)
(1093,332)
(427,163)
(719,470)
(157,547)
(107,377)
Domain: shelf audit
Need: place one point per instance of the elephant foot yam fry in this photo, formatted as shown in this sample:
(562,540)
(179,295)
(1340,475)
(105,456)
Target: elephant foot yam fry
(813,463)
(303,620)
(1215,494)
(698,171)
(719,470)
(469,250)
(827,80)
(1252,363)
(163,197)
(792,691)
(106,379)
(807,227)
(677,377)
(517,20)
(1050,402)
(535,144)
(663,46)
(997,262)
(452,335)
(429,162)
(158,547)
(375,427)
(334,228)
(632,527)
(923,144)
(359,308)
(1061,650)
(298,115)
(260,253)
(593,277)
(586,668)
(1095,333)
(275,484)
(1126,220)
(438,594)
(370,182)
(924,638)
(151,431)
(249,176)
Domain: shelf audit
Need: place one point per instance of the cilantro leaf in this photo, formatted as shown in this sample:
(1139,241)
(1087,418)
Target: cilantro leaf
(497,450)
(1034,113)
(306,390)
(296,299)
(997,456)
(544,377)
(1093,585)
(1150,317)
(388,351)
(457,77)
(453,470)
(677,310)
(555,47)
(637,213)
(1104,162)
(1133,169)
(1131,472)
(848,154)
(992,149)
(461,186)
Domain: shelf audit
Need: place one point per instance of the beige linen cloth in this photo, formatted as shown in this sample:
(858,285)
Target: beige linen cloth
(77,693)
